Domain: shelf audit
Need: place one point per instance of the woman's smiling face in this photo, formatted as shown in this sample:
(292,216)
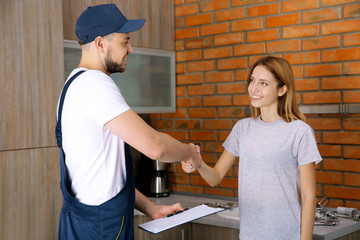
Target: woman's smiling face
(263,89)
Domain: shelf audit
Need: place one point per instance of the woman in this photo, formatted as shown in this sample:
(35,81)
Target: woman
(277,154)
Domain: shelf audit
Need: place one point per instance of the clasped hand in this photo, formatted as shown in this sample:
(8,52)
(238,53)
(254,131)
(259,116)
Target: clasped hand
(194,163)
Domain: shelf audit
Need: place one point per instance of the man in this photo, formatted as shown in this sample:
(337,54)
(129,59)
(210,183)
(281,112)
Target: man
(94,127)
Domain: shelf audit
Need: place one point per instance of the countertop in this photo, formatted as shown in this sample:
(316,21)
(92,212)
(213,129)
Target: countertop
(345,227)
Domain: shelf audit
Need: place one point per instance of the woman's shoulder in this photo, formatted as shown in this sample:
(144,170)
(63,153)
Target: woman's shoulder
(301,125)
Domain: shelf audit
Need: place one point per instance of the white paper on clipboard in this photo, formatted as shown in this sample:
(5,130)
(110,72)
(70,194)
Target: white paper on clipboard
(165,223)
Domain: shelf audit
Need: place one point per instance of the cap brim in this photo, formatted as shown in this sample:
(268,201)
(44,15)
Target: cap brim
(131,26)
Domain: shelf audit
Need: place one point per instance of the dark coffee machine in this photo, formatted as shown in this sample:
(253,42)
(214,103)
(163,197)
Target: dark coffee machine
(159,186)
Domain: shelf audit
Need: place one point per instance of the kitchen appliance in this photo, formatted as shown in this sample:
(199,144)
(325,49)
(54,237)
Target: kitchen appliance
(159,186)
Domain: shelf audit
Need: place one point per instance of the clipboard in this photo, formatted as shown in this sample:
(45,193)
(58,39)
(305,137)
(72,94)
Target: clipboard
(159,225)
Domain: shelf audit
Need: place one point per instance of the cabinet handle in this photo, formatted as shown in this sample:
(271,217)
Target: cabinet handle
(182,234)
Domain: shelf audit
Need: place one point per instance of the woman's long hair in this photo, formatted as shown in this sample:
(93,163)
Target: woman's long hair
(282,72)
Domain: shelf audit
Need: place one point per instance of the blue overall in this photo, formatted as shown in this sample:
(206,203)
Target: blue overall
(113,219)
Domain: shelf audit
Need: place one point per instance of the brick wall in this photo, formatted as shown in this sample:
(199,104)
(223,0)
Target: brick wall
(217,41)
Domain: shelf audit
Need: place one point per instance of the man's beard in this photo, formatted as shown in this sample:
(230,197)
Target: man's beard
(111,66)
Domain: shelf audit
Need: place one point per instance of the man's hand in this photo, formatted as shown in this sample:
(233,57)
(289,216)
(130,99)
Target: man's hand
(195,161)
(159,211)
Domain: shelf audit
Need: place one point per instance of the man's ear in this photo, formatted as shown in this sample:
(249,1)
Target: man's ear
(282,91)
(99,43)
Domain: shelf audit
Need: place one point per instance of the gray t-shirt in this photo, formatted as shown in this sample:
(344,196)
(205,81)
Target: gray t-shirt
(269,186)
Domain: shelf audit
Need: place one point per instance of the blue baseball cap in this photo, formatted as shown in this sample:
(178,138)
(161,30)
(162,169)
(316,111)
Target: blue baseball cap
(102,20)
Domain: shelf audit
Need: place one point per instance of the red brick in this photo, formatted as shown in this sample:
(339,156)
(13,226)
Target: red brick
(179,22)
(307,84)
(220,192)
(230,14)
(341,138)
(211,101)
(231,112)
(341,165)
(201,66)
(232,63)
(220,52)
(241,100)
(351,39)
(209,157)
(188,102)
(231,88)
(342,192)
(164,124)
(180,113)
(188,55)
(188,79)
(341,55)
(352,68)
(323,70)
(202,135)
(219,77)
(324,123)
(186,33)
(341,83)
(352,124)
(188,124)
(303,57)
(214,29)
(223,135)
(213,147)
(179,2)
(189,189)
(245,25)
(263,35)
(261,10)
(328,177)
(198,20)
(179,178)
(204,42)
(179,135)
(321,15)
(352,152)
(340,27)
(180,91)
(198,180)
(283,46)
(228,39)
(179,45)
(207,6)
(352,179)
(301,31)
(180,68)
(202,112)
(321,97)
(201,90)
(352,10)
(335,2)
(321,42)
(186,10)
(217,124)
(241,75)
(330,150)
(235,3)
(284,20)
(249,49)
(229,183)
(352,204)
(351,96)
(297,5)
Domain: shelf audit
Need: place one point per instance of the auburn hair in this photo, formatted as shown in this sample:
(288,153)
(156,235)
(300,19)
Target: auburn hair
(283,73)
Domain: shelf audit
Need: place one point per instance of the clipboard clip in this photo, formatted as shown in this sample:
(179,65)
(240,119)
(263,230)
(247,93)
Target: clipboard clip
(218,205)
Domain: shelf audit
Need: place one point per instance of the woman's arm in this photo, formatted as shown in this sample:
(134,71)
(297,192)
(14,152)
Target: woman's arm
(308,200)
(213,176)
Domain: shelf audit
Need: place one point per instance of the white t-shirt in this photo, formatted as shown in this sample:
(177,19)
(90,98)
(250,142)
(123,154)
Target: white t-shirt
(94,155)
(269,184)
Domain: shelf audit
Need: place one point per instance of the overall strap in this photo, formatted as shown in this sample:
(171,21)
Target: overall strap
(58,131)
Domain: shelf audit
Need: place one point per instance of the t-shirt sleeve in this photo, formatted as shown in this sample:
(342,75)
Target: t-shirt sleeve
(101,98)
(231,143)
(308,151)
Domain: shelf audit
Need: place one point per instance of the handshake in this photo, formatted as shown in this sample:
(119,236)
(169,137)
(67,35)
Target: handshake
(194,162)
